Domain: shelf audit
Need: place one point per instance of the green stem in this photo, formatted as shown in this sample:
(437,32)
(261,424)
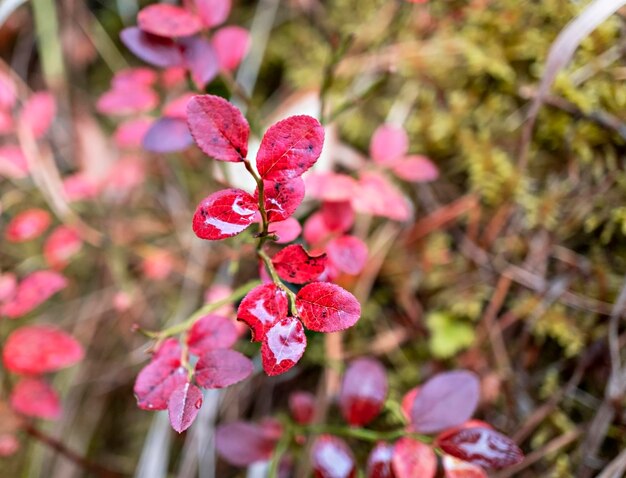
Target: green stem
(276,280)
(361,433)
(281,448)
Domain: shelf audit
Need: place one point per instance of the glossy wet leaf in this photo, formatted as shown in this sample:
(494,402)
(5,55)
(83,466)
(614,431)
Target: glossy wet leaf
(211,332)
(34,397)
(412,458)
(183,406)
(222,368)
(169,21)
(33,291)
(363,391)
(283,346)
(224,214)
(326,307)
(282,198)
(331,457)
(294,264)
(455,468)
(379,462)
(261,308)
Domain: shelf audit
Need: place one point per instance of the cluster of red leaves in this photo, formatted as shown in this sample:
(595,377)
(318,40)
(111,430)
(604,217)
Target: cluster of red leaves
(443,405)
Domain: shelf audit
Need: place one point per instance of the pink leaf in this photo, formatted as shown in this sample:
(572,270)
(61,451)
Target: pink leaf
(177,108)
(332,458)
(326,307)
(213,12)
(183,406)
(168,21)
(407,402)
(377,196)
(138,77)
(482,447)
(416,169)
(242,443)
(8,92)
(62,244)
(347,253)
(201,59)
(127,101)
(6,122)
(38,113)
(231,45)
(37,349)
(157,264)
(33,291)
(222,368)
(363,391)
(219,292)
(9,444)
(379,461)
(224,214)
(261,308)
(294,264)
(34,397)
(28,225)
(80,186)
(167,135)
(302,406)
(8,286)
(156,50)
(315,229)
(330,186)
(130,134)
(282,198)
(218,128)
(455,468)
(174,77)
(388,143)
(211,332)
(170,348)
(289,148)
(338,215)
(446,400)
(157,381)
(124,177)
(13,163)
(283,346)
(287,230)
(412,458)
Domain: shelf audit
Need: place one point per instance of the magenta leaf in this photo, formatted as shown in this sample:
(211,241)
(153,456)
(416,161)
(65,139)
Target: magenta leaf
(211,332)
(222,368)
(28,225)
(153,49)
(242,443)
(363,391)
(231,46)
(388,143)
(35,398)
(213,12)
(169,348)
(283,346)
(282,198)
(412,458)
(261,308)
(302,406)
(415,169)
(445,401)
(168,21)
(218,128)
(201,59)
(37,349)
(167,135)
(455,468)
(294,264)
(157,381)
(326,307)
(338,215)
(183,406)
(481,446)
(348,254)
(379,461)
(33,291)
(332,458)
(289,148)
(224,214)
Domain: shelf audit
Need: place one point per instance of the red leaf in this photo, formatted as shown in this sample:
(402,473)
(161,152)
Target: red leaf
(218,128)
(289,148)
(157,381)
(62,244)
(13,163)
(332,458)
(168,21)
(455,468)
(302,406)
(377,196)
(231,45)
(242,443)
(201,60)
(153,49)
(481,446)
(338,215)
(379,461)
(38,113)
(282,198)
(33,291)
(224,214)
(388,143)
(222,368)
(183,406)
(283,346)
(167,135)
(446,400)
(286,231)
(27,225)
(412,458)
(213,12)
(37,349)
(130,134)
(348,254)
(363,391)
(326,307)
(261,308)
(416,169)
(35,398)
(211,332)
(330,186)
(294,264)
